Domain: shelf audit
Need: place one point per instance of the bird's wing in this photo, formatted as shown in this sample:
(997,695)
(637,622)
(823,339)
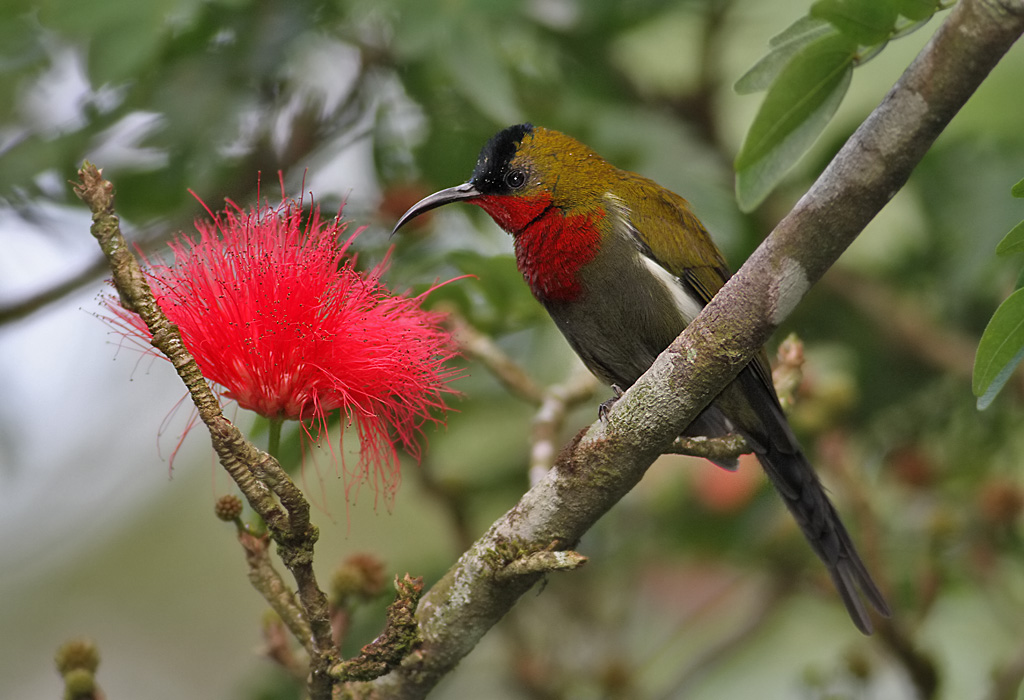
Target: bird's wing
(698,264)
(692,258)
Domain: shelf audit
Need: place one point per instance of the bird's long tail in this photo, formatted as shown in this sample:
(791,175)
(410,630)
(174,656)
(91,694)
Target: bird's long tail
(798,484)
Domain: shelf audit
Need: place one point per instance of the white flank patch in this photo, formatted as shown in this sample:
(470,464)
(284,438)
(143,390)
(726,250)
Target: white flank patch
(687,305)
(787,290)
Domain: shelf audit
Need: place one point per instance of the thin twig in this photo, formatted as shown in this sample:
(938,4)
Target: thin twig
(482,348)
(265,579)
(281,649)
(718,449)
(1008,680)
(919,665)
(546,433)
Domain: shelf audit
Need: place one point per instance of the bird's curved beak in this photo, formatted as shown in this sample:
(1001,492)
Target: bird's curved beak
(459,193)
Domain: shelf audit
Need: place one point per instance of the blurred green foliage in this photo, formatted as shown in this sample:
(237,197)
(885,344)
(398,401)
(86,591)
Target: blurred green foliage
(807,72)
(1002,344)
(684,596)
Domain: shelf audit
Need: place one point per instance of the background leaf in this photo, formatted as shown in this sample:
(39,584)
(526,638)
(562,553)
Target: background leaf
(917,10)
(784,47)
(796,109)
(1013,242)
(1000,350)
(867,22)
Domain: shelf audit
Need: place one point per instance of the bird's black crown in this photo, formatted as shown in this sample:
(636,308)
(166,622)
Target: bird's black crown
(495,157)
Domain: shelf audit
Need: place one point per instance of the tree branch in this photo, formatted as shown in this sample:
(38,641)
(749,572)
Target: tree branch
(265,579)
(400,636)
(603,464)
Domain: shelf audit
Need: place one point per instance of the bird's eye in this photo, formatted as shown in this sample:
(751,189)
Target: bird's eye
(515,179)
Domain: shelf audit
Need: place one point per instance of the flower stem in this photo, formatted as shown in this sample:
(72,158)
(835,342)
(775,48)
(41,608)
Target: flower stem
(274,437)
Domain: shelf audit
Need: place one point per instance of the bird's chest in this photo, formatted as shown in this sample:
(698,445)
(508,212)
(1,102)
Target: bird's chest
(627,311)
(552,249)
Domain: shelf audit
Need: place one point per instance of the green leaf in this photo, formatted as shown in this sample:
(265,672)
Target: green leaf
(783,47)
(917,10)
(796,109)
(1013,242)
(797,32)
(1019,284)
(986,399)
(867,22)
(1018,189)
(1000,350)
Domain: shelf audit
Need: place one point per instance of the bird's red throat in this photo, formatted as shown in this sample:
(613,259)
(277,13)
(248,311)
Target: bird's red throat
(551,246)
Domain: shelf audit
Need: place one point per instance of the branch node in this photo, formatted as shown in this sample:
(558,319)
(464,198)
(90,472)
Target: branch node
(725,448)
(511,559)
(400,636)
(541,563)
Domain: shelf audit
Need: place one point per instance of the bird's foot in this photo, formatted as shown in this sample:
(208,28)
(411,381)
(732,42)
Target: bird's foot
(606,406)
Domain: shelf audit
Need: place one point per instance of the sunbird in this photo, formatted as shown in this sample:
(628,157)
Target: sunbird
(623,265)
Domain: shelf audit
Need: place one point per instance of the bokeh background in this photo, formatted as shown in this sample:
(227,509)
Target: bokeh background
(699,586)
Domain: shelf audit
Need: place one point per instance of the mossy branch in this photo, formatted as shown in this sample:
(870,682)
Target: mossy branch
(400,636)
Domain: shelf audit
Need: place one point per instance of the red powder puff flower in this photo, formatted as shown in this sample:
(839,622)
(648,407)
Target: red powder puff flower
(274,312)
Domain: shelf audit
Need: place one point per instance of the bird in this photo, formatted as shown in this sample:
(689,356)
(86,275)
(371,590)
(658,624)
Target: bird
(622,265)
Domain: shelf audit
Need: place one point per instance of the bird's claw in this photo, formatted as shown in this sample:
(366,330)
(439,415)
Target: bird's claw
(606,406)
